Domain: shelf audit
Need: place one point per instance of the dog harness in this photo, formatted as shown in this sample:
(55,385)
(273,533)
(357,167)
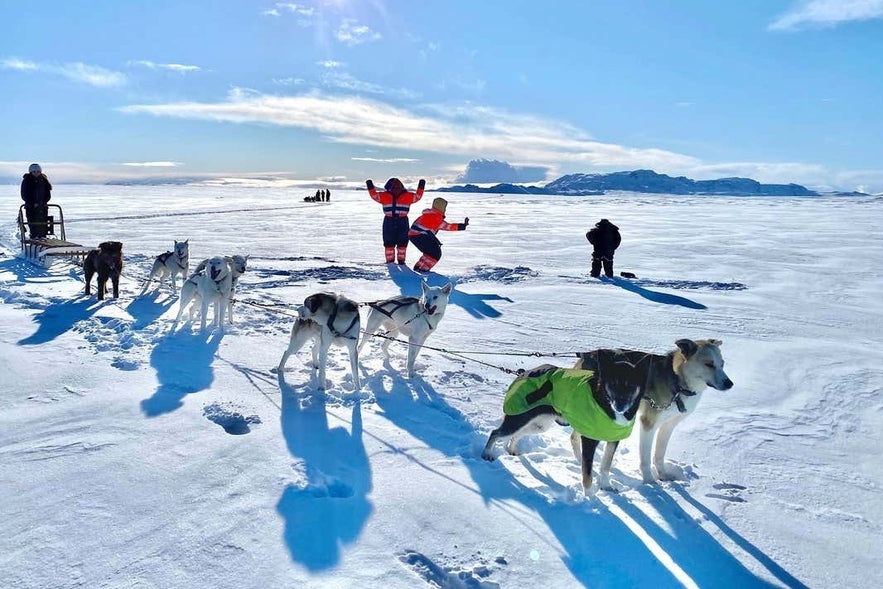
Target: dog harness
(570,392)
(334,331)
(165,256)
(397,304)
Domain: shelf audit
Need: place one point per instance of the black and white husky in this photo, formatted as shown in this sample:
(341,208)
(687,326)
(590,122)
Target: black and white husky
(170,264)
(326,318)
(413,317)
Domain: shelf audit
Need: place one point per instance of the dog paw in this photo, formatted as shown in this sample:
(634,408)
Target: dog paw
(488,456)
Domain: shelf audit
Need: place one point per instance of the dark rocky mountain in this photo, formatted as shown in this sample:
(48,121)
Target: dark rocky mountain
(644,181)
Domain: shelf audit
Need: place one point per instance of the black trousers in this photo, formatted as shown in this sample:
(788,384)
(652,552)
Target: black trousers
(395,231)
(37,217)
(428,244)
(597,262)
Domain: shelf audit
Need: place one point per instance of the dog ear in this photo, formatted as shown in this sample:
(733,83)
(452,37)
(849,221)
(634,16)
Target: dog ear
(447,288)
(424,286)
(312,303)
(687,346)
(716,342)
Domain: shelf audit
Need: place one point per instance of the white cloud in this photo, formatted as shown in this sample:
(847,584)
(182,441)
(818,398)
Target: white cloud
(329,63)
(827,13)
(304,13)
(351,33)
(77,71)
(173,67)
(152,164)
(465,130)
(387,160)
(14,63)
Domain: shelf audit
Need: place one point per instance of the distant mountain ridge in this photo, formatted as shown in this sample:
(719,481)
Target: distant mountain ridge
(644,181)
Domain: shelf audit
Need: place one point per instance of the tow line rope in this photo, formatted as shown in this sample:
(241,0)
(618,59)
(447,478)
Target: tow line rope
(458,353)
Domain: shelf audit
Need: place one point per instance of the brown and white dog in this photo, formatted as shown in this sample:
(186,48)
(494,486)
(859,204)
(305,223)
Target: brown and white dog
(658,390)
(107,262)
(326,318)
(675,382)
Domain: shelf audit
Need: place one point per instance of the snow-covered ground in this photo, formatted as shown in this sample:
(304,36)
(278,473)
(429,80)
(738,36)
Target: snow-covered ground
(117,468)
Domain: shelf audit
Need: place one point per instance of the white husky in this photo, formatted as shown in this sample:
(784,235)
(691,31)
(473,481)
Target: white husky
(170,264)
(326,318)
(413,317)
(210,286)
(238,265)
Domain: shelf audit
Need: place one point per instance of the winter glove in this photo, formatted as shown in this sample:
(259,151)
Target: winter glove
(370,184)
(464,224)
(422,184)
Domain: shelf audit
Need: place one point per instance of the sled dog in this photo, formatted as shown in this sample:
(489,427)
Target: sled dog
(326,318)
(413,317)
(210,286)
(107,262)
(602,396)
(237,265)
(696,364)
(170,264)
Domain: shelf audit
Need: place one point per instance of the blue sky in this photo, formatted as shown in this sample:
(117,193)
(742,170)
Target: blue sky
(343,90)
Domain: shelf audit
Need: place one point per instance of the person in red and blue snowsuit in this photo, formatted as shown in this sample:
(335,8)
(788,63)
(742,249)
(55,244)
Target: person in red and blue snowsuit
(396,203)
(422,233)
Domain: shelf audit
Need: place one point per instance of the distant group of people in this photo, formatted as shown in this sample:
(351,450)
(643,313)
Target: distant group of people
(322,195)
(397,200)
(36,190)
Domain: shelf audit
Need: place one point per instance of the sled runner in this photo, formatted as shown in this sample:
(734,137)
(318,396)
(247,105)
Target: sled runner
(45,250)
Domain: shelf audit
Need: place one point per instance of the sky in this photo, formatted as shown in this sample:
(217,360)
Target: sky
(119,466)
(337,91)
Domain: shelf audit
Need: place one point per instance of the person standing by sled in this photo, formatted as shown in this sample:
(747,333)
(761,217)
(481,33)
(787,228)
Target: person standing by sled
(605,238)
(396,203)
(422,233)
(36,190)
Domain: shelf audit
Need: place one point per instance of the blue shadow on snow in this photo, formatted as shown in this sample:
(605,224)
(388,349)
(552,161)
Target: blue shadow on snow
(331,508)
(652,295)
(59,318)
(183,364)
(409,281)
(145,309)
(601,550)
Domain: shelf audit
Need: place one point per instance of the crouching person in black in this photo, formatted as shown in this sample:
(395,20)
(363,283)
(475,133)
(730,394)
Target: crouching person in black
(605,238)
(36,192)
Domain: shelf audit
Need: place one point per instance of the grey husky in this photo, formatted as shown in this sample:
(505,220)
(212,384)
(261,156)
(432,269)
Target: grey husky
(326,318)
(170,264)
(413,317)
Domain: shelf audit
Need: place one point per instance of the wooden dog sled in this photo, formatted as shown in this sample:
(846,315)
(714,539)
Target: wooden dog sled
(53,245)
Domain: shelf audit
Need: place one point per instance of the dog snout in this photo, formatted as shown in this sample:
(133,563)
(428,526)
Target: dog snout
(215,273)
(728,384)
(431,310)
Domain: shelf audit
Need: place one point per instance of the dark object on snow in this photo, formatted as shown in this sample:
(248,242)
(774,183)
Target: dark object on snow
(605,238)
(627,275)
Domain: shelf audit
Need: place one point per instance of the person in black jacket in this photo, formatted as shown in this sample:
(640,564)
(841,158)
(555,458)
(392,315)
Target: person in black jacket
(36,192)
(605,238)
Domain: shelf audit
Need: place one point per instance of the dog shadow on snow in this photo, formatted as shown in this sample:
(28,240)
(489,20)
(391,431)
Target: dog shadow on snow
(329,509)
(653,295)
(409,282)
(600,548)
(183,363)
(146,309)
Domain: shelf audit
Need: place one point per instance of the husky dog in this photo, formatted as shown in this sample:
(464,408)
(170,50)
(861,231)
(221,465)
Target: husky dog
(601,397)
(326,318)
(210,286)
(170,264)
(238,265)
(415,318)
(697,364)
(107,261)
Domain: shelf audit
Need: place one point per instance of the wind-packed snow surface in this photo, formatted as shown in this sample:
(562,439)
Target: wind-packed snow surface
(132,455)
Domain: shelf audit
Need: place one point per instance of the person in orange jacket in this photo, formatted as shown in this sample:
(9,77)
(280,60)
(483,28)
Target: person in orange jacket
(422,233)
(396,203)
